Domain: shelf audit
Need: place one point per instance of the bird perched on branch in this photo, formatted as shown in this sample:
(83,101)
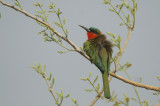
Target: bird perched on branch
(99,49)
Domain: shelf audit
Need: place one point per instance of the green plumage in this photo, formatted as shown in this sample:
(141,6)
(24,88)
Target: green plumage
(100,52)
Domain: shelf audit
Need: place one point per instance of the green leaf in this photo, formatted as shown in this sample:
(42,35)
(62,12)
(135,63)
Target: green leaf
(134,99)
(121,24)
(119,38)
(98,86)
(50,76)
(61,92)
(58,11)
(62,52)
(106,1)
(45,68)
(81,48)
(128,21)
(64,21)
(68,95)
(37,4)
(111,10)
(58,24)
(89,90)
(53,80)
(140,79)
(74,100)
(158,77)
(114,40)
(53,39)
(16,4)
(89,75)
(84,79)
(66,33)
(95,79)
(111,34)
(157,93)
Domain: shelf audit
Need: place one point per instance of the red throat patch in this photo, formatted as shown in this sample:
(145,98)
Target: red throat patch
(91,35)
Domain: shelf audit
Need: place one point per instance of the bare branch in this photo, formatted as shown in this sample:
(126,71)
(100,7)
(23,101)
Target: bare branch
(135,83)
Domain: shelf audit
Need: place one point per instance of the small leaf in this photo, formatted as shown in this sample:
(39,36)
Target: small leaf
(111,10)
(37,4)
(50,76)
(62,52)
(111,34)
(53,81)
(44,12)
(74,100)
(140,79)
(58,24)
(45,68)
(89,90)
(81,48)
(134,99)
(114,40)
(16,4)
(53,39)
(128,18)
(67,95)
(105,2)
(158,77)
(58,11)
(157,93)
(98,86)
(129,65)
(95,79)
(66,31)
(39,12)
(84,79)
(121,24)
(64,21)
(89,75)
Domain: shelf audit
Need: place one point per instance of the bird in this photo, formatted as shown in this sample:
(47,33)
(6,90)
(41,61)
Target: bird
(99,49)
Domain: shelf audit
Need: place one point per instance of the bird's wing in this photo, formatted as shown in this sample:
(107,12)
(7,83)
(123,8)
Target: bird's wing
(104,57)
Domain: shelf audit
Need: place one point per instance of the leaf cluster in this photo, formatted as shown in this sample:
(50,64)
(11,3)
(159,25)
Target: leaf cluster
(16,2)
(95,87)
(48,34)
(50,82)
(75,102)
(125,11)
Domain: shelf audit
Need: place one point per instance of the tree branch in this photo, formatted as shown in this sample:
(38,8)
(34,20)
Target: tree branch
(49,26)
(83,54)
(50,89)
(135,83)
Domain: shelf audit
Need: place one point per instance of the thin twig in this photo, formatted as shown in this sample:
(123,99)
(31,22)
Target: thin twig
(50,89)
(49,26)
(139,99)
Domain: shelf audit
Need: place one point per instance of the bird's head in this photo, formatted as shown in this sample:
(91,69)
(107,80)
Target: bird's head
(92,32)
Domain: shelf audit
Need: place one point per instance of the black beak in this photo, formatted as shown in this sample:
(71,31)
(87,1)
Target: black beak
(84,28)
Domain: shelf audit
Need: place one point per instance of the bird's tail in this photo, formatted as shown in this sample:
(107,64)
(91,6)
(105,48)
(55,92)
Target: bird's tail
(106,85)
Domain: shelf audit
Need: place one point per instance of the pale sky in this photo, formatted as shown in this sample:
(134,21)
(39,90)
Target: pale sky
(21,47)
